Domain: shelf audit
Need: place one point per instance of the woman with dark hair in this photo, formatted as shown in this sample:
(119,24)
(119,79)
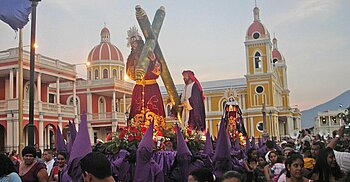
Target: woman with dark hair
(326,168)
(251,163)
(30,169)
(259,170)
(295,168)
(269,169)
(61,163)
(7,170)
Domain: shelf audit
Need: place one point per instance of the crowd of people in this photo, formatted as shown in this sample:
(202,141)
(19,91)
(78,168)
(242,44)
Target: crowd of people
(308,158)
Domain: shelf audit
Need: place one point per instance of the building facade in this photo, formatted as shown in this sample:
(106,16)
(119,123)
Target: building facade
(265,83)
(105,97)
(60,96)
(328,121)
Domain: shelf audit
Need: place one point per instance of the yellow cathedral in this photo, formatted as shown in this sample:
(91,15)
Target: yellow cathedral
(264,88)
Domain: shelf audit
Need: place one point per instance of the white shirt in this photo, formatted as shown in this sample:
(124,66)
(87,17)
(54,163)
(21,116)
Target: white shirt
(49,166)
(185,98)
(343,160)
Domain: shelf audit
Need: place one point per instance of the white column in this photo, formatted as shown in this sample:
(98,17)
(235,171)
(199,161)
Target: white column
(113,102)
(41,132)
(17,81)
(89,116)
(240,101)
(9,130)
(277,128)
(110,74)
(243,101)
(100,72)
(114,114)
(11,84)
(15,130)
(209,104)
(58,90)
(245,124)
(74,99)
(118,73)
(289,125)
(251,126)
(211,126)
(124,103)
(39,86)
(206,104)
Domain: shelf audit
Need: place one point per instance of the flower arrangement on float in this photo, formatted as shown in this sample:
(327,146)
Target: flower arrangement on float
(129,137)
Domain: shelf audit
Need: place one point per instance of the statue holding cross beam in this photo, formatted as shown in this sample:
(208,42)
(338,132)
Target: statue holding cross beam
(144,65)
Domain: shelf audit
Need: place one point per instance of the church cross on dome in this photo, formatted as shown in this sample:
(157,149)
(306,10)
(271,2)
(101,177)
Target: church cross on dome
(256,13)
(274,42)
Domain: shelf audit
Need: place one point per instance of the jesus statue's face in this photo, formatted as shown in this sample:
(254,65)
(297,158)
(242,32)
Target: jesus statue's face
(133,42)
(187,79)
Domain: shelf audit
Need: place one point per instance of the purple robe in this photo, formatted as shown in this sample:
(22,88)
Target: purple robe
(197,114)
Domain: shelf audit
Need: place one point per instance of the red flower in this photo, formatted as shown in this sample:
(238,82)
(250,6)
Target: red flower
(109,137)
(189,131)
(138,137)
(130,138)
(133,129)
(143,130)
(122,135)
(175,129)
(159,133)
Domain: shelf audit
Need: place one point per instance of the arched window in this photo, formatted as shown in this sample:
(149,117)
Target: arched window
(89,75)
(70,103)
(27,91)
(96,74)
(105,73)
(258,60)
(114,73)
(102,108)
(121,74)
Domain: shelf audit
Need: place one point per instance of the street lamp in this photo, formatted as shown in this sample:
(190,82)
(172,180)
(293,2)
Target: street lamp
(32,72)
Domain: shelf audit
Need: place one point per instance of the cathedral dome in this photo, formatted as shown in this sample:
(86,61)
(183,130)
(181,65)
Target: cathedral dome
(105,51)
(276,55)
(257,29)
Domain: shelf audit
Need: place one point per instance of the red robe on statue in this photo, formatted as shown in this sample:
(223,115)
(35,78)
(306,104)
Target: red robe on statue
(147,102)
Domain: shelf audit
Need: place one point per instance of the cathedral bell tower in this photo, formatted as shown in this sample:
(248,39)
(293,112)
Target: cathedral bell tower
(259,76)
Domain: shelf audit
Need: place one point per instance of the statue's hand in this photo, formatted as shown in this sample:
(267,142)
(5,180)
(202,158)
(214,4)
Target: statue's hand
(140,74)
(151,56)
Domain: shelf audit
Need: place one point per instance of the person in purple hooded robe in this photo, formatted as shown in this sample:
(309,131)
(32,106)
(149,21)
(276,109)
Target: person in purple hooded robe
(146,168)
(222,160)
(185,162)
(192,101)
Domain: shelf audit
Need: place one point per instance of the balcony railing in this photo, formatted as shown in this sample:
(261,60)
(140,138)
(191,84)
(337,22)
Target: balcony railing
(46,108)
(3,105)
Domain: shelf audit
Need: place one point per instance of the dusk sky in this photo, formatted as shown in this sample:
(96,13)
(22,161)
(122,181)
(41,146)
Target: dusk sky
(208,37)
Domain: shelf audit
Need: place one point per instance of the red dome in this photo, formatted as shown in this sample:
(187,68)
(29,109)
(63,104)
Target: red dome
(256,27)
(276,54)
(105,51)
(105,30)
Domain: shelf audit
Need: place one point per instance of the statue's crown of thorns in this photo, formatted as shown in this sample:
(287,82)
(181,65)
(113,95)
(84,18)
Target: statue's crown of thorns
(133,32)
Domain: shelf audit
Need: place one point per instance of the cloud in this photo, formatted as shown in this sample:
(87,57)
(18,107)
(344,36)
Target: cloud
(311,9)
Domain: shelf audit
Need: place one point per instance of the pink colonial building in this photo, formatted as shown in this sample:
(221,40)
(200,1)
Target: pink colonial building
(60,96)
